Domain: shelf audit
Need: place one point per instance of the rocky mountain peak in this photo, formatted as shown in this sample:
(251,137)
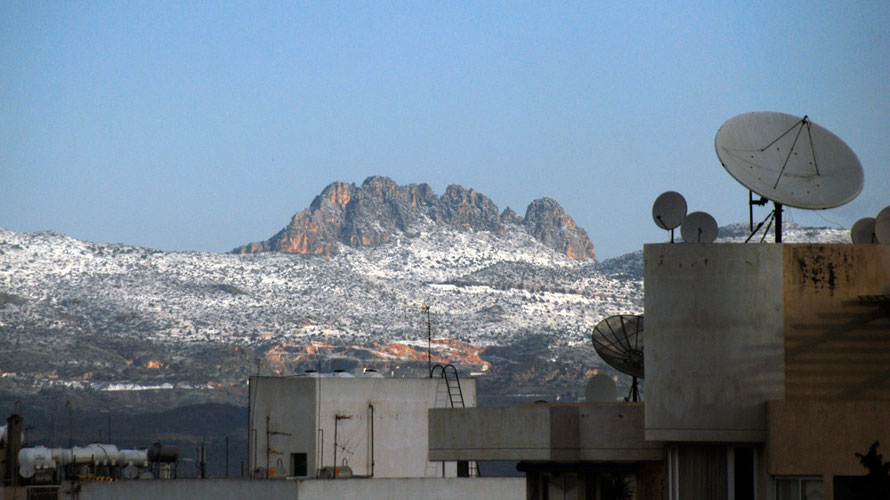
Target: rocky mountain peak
(373,213)
(546,220)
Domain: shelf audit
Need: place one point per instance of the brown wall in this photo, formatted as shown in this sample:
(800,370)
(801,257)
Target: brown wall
(821,438)
(837,345)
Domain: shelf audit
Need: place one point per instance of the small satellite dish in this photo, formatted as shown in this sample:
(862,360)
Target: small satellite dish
(882,226)
(130,472)
(863,231)
(601,389)
(26,470)
(699,227)
(669,210)
(789,161)
(619,342)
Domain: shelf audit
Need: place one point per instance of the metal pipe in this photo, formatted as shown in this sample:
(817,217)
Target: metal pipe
(371,419)
(779,222)
(70,431)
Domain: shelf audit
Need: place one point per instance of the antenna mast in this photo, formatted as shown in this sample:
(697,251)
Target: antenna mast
(425,308)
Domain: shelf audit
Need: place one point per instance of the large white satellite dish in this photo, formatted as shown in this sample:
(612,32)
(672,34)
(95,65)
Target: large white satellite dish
(789,161)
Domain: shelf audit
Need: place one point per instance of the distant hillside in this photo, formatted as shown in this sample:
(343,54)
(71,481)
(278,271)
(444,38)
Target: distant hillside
(115,326)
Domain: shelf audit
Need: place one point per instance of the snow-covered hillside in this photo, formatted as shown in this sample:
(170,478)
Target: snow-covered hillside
(80,314)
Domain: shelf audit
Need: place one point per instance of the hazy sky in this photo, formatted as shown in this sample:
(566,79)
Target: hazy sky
(206,125)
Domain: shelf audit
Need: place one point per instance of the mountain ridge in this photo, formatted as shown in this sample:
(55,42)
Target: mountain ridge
(379,210)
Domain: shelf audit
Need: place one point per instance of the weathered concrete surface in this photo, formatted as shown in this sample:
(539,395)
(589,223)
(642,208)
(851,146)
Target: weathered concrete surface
(298,407)
(837,343)
(346,489)
(714,340)
(569,432)
(821,437)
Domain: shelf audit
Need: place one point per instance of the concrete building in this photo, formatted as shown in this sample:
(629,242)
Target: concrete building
(491,488)
(767,369)
(376,427)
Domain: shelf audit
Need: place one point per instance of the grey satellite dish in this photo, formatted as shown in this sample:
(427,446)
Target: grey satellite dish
(882,226)
(669,210)
(26,470)
(789,161)
(863,231)
(601,389)
(130,472)
(699,227)
(619,342)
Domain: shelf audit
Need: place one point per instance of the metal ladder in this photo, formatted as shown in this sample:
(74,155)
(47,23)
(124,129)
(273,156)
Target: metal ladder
(455,396)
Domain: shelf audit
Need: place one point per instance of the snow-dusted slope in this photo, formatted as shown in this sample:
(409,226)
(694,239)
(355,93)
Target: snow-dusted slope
(110,316)
(69,309)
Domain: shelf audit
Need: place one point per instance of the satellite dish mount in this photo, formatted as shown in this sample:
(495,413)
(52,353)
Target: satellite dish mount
(774,216)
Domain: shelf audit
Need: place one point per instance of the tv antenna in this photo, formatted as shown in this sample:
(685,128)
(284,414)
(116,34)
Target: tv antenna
(669,210)
(619,342)
(788,160)
(425,309)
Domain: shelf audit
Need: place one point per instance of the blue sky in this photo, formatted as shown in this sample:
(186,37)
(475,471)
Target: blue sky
(206,125)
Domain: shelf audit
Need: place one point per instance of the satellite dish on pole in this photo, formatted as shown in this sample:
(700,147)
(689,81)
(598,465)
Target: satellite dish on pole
(699,227)
(789,161)
(863,231)
(669,210)
(882,226)
(619,342)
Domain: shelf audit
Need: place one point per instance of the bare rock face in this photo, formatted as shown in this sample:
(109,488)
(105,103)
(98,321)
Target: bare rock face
(467,209)
(375,212)
(546,220)
(509,216)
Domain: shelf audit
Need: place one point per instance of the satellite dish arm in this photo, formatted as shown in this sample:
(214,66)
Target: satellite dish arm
(805,120)
(751,202)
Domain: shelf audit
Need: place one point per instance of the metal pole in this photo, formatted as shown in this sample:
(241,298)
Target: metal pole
(336,422)
(778,223)
(70,431)
(227,456)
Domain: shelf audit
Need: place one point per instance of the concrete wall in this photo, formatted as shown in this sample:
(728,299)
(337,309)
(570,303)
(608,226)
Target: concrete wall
(346,489)
(512,433)
(821,437)
(614,432)
(300,406)
(837,346)
(290,405)
(569,432)
(714,340)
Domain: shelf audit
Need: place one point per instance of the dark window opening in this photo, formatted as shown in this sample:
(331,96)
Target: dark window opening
(298,464)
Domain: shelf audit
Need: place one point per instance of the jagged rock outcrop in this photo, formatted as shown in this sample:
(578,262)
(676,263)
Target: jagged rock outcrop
(509,216)
(546,220)
(373,213)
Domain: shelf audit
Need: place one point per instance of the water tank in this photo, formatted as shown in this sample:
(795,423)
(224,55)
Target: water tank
(160,453)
